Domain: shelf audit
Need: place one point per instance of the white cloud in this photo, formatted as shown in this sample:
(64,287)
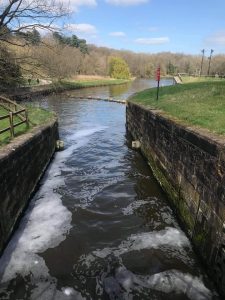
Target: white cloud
(126,2)
(153,41)
(117,34)
(77,3)
(83,28)
(74,5)
(216,39)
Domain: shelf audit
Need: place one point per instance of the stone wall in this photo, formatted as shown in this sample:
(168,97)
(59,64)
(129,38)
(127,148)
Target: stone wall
(190,166)
(22,163)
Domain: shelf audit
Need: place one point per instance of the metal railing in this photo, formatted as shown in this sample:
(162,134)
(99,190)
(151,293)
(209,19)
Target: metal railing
(16,111)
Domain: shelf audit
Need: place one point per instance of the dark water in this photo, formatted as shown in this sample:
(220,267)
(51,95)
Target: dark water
(99,226)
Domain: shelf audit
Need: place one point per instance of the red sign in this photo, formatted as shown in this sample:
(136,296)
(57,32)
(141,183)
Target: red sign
(158,74)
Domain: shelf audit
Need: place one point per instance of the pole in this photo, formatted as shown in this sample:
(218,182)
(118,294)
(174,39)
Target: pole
(158,80)
(157,97)
(203,53)
(210,57)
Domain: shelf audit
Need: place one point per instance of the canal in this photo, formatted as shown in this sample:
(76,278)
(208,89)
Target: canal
(99,226)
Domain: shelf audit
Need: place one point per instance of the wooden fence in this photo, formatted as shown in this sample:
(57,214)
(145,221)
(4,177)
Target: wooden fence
(15,112)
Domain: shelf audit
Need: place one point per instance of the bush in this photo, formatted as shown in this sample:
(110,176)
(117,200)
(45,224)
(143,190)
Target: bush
(118,68)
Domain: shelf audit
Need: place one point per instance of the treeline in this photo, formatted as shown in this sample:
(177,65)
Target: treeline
(58,56)
(144,65)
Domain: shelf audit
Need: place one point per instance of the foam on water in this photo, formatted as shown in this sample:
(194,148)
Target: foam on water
(46,222)
(129,210)
(147,240)
(86,132)
(170,281)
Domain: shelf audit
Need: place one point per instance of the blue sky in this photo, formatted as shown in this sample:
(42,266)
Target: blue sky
(151,26)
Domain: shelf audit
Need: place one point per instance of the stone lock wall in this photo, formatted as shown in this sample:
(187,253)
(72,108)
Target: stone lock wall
(22,163)
(190,166)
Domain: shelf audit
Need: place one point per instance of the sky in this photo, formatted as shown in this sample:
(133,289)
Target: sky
(151,26)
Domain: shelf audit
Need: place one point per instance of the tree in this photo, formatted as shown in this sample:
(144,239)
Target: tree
(56,60)
(118,68)
(73,41)
(31,37)
(26,15)
(10,72)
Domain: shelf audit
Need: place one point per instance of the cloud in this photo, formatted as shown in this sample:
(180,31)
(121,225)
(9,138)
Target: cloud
(83,28)
(153,41)
(77,3)
(117,34)
(126,2)
(217,39)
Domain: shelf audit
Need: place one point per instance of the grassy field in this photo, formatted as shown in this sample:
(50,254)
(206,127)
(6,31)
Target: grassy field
(200,104)
(192,79)
(37,116)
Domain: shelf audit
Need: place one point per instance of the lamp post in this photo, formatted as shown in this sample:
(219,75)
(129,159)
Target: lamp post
(203,53)
(210,58)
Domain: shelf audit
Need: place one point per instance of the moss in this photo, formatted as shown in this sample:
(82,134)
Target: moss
(199,238)
(173,194)
(186,217)
(167,187)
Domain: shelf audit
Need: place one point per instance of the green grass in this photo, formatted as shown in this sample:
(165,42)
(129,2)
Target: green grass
(92,83)
(37,116)
(192,79)
(200,104)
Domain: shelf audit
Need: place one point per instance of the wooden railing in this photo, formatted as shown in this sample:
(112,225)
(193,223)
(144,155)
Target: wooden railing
(14,110)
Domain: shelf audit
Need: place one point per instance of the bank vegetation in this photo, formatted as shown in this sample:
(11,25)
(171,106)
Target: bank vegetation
(200,104)
(57,57)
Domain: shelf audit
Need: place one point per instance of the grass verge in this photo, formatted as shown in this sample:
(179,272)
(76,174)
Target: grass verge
(200,104)
(37,116)
(192,79)
(77,84)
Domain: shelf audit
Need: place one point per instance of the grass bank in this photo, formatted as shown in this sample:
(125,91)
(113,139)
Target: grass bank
(192,79)
(77,84)
(200,104)
(37,116)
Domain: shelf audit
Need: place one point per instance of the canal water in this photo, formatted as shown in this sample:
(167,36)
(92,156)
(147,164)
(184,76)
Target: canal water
(99,226)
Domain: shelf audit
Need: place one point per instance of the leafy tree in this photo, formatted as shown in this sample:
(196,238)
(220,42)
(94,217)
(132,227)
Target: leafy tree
(31,37)
(35,37)
(73,41)
(118,68)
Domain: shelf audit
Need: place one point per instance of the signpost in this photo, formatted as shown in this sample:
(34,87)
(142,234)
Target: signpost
(158,80)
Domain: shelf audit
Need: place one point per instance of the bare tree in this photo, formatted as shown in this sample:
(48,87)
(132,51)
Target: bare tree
(17,16)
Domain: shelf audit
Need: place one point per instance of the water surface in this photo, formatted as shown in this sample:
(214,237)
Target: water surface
(99,227)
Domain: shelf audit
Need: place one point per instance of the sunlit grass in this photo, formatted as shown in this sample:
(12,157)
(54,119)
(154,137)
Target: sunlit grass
(192,79)
(201,104)
(92,83)
(37,116)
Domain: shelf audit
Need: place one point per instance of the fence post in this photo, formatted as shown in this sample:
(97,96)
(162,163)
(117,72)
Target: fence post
(11,124)
(27,120)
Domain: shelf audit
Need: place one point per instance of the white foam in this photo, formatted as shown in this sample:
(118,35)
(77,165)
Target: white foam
(46,223)
(129,210)
(86,132)
(72,294)
(173,281)
(170,236)
(170,281)
(47,290)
